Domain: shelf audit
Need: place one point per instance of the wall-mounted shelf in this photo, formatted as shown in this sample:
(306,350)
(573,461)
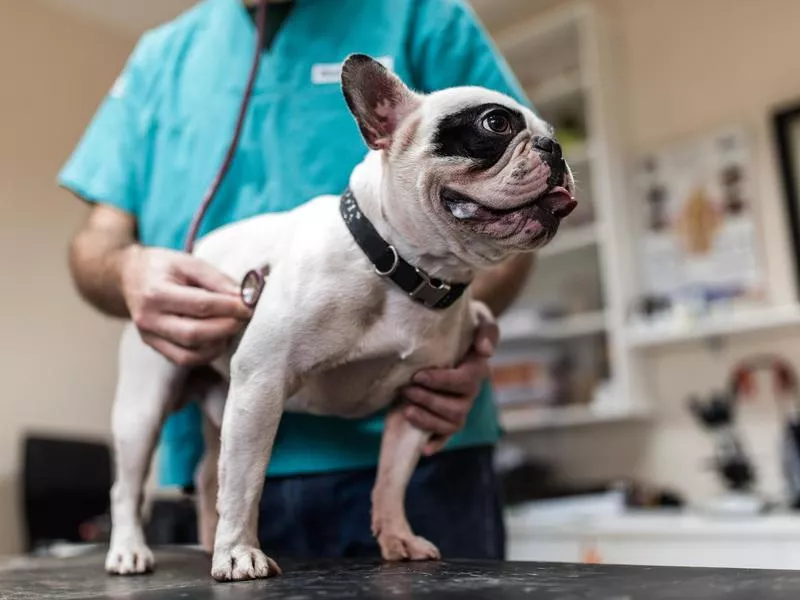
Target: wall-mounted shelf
(519,419)
(735,323)
(556,329)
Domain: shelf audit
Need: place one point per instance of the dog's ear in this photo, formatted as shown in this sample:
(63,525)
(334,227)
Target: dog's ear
(378,99)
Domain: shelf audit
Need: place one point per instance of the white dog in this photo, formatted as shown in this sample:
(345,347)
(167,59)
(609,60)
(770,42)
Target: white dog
(364,290)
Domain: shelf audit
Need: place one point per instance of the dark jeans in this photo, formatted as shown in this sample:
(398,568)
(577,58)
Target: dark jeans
(453,500)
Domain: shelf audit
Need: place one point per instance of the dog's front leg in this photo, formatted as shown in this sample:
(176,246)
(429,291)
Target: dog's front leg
(401,447)
(292,332)
(252,414)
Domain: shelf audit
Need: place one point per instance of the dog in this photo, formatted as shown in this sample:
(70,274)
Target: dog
(364,290)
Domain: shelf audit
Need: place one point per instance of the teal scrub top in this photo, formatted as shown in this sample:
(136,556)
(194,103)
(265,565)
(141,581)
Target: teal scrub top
(161,132)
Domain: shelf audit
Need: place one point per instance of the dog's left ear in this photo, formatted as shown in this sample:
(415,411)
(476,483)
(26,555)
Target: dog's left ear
(378,99)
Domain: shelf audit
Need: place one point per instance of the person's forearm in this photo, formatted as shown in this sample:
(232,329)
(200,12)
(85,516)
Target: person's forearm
(95,261)
(498,287)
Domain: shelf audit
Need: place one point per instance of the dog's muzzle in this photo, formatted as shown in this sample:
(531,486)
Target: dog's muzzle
(550,153)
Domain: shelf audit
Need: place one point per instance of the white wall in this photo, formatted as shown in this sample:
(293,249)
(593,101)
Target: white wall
(58,357)
(686,67)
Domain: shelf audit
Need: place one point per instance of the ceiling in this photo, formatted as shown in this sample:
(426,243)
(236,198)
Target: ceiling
(131,18)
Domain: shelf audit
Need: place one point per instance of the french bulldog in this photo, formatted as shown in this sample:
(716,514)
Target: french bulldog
(454,181)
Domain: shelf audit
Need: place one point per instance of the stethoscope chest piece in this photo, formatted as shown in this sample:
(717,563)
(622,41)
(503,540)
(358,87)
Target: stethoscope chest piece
(252,285)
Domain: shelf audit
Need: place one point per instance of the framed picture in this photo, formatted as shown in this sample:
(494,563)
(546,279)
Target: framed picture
(786,122)
(697,235)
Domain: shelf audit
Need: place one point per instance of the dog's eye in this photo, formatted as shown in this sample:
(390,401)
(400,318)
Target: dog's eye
(497,122)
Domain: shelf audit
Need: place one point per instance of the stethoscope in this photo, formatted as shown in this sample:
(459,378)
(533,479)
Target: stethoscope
(253,281)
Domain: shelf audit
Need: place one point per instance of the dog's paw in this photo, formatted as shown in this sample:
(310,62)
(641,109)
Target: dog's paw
(242,563)
(129,559)
(406,546)
(481,314)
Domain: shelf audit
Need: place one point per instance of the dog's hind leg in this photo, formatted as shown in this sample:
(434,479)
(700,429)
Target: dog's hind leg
(207,481)
(401,447)
(147,387)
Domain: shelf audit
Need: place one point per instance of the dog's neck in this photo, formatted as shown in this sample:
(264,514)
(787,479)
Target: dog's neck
(418,241)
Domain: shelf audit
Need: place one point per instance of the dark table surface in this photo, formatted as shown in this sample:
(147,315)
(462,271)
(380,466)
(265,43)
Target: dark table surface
(183,574)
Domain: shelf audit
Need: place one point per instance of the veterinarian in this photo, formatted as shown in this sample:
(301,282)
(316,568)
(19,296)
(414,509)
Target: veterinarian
(144,164)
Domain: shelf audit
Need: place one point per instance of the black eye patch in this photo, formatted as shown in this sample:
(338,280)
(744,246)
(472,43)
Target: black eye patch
(463,134)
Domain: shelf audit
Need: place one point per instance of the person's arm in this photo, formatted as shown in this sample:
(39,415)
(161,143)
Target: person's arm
(499,287)
(95,258)
(183,307)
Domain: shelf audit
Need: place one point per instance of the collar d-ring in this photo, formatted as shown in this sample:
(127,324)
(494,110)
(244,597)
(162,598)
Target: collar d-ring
(395,261)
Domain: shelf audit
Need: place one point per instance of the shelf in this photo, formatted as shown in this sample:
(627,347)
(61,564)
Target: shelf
(741,322)
(557,329)
(571,239)
(519,419)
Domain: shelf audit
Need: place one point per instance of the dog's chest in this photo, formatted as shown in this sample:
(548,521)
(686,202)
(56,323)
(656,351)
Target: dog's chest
(407,339)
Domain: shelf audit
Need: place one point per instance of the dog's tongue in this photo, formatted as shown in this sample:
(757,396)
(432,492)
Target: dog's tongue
(558,203)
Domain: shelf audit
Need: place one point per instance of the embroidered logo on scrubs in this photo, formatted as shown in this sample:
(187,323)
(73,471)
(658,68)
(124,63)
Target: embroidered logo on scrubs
(324,73)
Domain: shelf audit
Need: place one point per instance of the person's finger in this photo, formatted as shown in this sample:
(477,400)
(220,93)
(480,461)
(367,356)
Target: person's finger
(436,444)
(430,422)
(487,335)
(462,380)
(198,272)
(451,408)
(194,334)
(202,304)
(183,356)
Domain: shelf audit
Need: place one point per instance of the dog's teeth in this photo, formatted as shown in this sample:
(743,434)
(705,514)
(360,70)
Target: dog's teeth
(463,210)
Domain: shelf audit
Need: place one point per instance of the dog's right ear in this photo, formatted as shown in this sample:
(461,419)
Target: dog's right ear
(378,99)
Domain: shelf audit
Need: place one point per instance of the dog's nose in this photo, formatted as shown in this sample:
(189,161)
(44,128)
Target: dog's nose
(546,144)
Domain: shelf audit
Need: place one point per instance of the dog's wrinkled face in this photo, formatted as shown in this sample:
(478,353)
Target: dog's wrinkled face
(485,169)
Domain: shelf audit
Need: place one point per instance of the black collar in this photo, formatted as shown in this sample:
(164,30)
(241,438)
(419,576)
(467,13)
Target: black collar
(430,292)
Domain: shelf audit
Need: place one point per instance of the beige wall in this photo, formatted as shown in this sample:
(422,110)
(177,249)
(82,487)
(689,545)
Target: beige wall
(58,357)
(693,66)
(687,66)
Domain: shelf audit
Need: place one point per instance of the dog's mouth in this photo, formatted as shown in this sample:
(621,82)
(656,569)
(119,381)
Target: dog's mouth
(538,217)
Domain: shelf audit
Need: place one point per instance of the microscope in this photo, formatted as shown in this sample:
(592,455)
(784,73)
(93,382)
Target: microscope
(717,414)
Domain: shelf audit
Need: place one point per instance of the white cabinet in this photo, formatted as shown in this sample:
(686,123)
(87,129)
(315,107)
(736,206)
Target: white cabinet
(759,542)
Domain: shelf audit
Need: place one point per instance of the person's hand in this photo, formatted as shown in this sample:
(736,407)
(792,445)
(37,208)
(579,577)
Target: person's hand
(183,307)
(440,399)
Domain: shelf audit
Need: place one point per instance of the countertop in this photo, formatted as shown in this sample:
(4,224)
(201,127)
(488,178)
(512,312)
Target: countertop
(183,574)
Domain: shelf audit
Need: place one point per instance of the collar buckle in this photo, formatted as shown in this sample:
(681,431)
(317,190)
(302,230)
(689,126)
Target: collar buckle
(429,292)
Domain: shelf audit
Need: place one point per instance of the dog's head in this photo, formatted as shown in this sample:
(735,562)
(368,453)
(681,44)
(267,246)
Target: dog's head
(484,170)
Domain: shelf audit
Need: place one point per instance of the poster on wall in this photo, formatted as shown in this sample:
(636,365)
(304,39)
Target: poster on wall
(699,233)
